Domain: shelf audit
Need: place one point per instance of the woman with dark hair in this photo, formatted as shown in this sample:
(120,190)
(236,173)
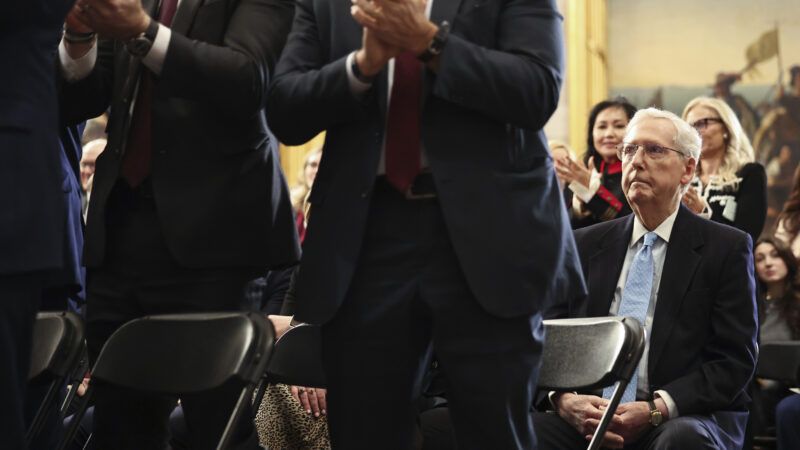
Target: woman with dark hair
(779,318)
(596,181)
(788,228)
(779,299)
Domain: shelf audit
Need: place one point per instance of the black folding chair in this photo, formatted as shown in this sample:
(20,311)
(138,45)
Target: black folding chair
(296,360)
(777,360)
(780,360)
(185,353)
(591,353)
(58,343)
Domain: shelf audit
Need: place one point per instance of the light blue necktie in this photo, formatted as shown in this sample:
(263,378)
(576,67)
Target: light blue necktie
(635,301)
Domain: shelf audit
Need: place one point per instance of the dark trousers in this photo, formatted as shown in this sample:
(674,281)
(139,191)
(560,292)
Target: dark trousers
(140,277)
(787,421)
(19,301)
(408,297)
(718,431)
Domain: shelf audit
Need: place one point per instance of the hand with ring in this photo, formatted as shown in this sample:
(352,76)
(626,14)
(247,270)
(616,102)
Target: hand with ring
(311,399)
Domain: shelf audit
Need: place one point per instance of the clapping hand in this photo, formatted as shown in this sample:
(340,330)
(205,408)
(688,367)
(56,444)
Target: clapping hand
(115,19)
(693,201)
(569,170)
(399,23)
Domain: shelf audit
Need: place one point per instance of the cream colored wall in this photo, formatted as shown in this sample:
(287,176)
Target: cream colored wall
(293,157)
(587,71)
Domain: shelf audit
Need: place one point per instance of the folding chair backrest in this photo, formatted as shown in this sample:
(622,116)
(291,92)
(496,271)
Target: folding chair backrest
(591,353)
(780,360)
(297,358)
(57,344)
(185,353)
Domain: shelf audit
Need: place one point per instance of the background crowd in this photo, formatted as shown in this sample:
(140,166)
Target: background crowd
(152,117)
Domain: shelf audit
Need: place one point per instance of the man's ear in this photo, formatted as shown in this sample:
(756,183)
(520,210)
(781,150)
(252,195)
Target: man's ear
(689,169)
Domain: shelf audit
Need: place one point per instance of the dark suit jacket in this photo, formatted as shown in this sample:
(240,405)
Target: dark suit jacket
(482,115)
(703,339)
(32,180)
(221,197)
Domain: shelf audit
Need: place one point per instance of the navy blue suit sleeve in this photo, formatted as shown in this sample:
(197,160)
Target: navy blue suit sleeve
(516,82)
(310,93)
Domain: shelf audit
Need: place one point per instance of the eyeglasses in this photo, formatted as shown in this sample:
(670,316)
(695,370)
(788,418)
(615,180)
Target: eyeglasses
(703,123)
(626,151)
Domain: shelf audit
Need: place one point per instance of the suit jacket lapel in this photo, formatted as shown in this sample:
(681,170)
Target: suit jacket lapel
(184,16)
(607,263)
(681,262)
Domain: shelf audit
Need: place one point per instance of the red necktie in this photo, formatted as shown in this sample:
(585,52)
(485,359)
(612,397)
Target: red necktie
(403,139)
(139,154)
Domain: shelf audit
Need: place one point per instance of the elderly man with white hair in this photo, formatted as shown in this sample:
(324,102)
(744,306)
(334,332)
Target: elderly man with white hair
(690,282)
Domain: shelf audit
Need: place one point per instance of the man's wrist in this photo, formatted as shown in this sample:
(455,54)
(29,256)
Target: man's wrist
(366,68)
(422,46)
(661,405)
(75,37)
(142,25)
(556,397)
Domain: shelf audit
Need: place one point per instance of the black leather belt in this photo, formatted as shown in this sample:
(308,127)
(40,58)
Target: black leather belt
(422,188)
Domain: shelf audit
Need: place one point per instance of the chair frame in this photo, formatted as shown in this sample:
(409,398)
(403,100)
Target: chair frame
(250,364)
(55,362)
(624,338)
(285,366)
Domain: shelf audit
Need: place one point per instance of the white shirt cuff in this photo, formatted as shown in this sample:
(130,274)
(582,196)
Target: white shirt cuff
(584,193)
(357,87)
(551,398)
(671,406)
(154,59)
(76,69)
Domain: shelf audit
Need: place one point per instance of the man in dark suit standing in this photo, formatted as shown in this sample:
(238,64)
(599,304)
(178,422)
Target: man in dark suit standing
(690,282)
(188,202)
(437,219)
(33,215)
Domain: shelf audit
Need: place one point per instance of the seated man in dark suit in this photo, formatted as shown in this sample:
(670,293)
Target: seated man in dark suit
(690,282)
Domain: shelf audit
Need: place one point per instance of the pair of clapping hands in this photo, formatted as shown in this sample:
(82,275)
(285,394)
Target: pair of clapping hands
(115,19)
(391,27)
(569,170)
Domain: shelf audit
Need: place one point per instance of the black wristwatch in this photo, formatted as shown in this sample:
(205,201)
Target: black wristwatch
(437,43)
(141,44)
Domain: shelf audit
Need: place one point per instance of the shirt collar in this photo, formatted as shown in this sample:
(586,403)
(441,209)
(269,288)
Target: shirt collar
(664,230)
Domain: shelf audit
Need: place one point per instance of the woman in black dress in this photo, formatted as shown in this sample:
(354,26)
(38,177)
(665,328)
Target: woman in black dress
(730,187)
(595,181)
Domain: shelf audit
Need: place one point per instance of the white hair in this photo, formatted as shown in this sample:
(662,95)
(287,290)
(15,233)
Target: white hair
(686,140)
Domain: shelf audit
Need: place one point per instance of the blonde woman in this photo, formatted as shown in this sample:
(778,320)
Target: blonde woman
(299,192)
(730,187)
